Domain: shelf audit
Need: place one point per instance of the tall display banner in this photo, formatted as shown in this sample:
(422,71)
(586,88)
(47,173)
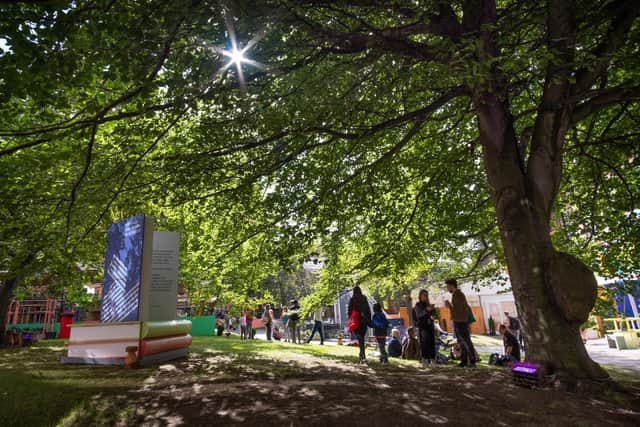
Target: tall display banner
(139,299)
(127,269)
(159,301)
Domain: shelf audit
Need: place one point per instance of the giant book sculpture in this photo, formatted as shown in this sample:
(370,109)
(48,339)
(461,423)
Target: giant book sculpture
(139,297)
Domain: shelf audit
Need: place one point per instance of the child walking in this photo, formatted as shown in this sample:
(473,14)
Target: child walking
(380,327)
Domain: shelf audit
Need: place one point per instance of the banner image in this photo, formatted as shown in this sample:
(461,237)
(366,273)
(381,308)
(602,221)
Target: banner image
(127,258)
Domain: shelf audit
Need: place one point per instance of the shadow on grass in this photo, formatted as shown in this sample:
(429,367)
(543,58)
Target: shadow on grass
(231,382)
(37,390)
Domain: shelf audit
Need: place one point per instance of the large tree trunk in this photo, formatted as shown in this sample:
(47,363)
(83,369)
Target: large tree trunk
(554,291)
(6,293)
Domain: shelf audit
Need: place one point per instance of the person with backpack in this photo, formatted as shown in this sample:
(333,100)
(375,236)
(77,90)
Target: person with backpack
(461,315)
(293,323)
(380,326)
(267,320)
(423,319)
(410,345)
(359,319)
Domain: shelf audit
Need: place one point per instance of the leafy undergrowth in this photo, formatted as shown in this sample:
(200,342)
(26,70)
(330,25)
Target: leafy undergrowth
(231,382)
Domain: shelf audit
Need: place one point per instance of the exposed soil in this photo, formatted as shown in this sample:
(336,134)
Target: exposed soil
(260,385)
(222,390)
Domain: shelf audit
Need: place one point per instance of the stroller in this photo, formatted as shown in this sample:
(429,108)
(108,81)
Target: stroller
(277,334)
(442,345)
(442,341)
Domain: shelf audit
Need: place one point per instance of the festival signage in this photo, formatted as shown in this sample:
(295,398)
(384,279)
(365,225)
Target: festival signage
(160,301)
(127,269)
(139,298)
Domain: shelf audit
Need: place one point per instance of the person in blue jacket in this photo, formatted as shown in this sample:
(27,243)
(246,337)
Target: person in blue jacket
(380,326)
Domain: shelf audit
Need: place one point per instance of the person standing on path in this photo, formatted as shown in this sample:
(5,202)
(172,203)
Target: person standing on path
(460,315)
(267,319)
(284,317)
(243,325)
(293,323)
(249,314)
(423,319)
(317,326)
(360,305)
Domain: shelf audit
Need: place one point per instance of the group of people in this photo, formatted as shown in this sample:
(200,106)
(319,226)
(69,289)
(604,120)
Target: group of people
(422,347)
(291,322)
(290,319)
(420,342)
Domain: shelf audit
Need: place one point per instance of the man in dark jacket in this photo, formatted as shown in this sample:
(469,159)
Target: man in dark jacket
(460,315)
(360,304)
(514,327)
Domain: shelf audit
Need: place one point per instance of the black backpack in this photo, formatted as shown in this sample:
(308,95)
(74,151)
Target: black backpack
(494,359)
(498,360)
(294,316)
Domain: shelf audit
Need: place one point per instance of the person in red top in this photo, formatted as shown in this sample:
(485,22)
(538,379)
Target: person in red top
(360,304)
(249,325)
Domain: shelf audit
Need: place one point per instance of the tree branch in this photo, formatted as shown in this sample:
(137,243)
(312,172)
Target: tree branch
(72,127)
(124,179)
(76,185)
(604,99)
(390,40)
(615,170)
(624,13)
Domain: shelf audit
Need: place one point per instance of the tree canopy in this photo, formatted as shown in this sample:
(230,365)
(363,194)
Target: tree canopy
(355,129)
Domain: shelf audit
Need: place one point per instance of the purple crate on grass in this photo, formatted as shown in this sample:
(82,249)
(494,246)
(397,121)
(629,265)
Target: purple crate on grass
(527,374)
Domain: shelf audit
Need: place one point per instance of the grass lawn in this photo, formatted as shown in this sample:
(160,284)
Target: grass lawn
(486,341)
(231,382)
